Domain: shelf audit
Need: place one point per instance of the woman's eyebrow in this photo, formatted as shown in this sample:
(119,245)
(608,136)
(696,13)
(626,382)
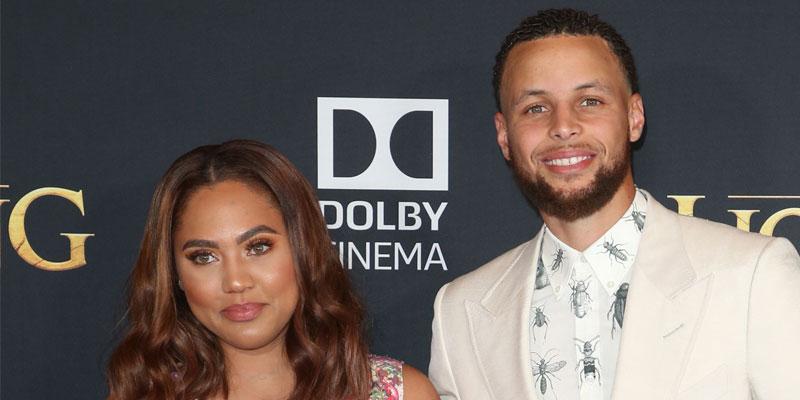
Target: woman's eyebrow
(254,231)
(200,243)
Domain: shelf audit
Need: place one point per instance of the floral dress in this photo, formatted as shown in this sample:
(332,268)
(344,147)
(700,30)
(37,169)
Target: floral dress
(387,378)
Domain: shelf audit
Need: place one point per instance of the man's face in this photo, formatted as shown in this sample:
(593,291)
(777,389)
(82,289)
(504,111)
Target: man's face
(567,122)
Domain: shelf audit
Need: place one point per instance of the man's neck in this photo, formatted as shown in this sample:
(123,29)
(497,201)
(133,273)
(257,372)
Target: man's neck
(581,233)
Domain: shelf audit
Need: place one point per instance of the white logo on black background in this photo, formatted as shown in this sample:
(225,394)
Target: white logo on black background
(382,114)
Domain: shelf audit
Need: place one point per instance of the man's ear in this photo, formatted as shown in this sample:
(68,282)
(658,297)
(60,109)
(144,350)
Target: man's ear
(635,117)
(502,134)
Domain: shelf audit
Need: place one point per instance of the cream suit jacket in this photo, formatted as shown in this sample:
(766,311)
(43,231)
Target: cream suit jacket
(712,313)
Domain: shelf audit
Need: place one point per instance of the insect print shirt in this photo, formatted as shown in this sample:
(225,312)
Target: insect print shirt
(577,310)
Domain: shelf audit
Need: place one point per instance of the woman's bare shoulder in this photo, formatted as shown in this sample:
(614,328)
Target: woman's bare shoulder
(417,386)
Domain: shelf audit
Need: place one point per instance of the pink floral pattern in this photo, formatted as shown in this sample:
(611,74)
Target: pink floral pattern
(387,378)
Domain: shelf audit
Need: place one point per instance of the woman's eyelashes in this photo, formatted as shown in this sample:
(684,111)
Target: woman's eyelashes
(202,257)
(258,247)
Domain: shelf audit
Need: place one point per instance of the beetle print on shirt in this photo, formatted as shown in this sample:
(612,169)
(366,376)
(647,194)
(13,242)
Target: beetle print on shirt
(538,319)
(588,366)
(615,251)
(617,310)
(558,259)
(580,300)
(637,218)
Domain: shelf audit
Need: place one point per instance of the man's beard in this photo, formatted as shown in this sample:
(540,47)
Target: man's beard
(574,205)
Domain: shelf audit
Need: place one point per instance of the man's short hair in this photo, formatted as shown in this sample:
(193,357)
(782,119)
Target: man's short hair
(565,21)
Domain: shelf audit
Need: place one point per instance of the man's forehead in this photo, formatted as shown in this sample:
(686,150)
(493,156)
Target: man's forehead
(563,44)
(587,55)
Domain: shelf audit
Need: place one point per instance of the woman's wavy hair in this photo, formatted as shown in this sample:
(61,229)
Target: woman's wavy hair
(167,354)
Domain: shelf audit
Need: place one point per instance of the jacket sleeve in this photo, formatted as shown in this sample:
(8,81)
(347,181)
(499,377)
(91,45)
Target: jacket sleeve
(440,371)
(773,325)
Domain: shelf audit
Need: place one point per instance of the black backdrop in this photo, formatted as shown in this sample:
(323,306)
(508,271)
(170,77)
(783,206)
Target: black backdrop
(101,96)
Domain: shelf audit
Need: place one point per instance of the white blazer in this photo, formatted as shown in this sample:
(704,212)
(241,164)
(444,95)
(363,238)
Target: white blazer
(712,313)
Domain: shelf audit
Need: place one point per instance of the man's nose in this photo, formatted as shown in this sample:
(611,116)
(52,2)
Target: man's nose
(564,124)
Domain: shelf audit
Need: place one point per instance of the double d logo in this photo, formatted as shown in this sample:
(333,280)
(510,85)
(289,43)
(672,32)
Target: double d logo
(382,172)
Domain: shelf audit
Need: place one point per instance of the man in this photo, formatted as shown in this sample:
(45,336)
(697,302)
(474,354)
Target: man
(616,296)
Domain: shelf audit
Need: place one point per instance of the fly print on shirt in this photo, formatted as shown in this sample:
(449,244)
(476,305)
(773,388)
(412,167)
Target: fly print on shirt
(544,370)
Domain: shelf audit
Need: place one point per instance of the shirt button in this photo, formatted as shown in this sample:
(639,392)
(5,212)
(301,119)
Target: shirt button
(610,285)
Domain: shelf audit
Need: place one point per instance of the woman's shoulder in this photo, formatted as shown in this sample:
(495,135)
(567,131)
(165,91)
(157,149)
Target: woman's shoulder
(394,380)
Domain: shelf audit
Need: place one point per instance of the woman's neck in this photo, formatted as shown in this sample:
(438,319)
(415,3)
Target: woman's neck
(265,373)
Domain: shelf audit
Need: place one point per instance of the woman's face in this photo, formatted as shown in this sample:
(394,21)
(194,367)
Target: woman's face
(235,264)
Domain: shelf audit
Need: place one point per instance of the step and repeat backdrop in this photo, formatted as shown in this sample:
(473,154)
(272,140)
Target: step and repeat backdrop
(385,106)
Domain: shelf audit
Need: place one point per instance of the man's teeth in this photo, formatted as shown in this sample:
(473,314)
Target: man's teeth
(563,162)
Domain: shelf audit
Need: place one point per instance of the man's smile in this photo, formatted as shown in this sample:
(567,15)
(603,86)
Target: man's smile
(567,161)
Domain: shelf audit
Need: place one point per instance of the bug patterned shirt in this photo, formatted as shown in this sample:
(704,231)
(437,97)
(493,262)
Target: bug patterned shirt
(578,306)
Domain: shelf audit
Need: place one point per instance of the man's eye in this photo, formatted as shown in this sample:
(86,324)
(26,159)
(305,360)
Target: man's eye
(590,102)
(258,248)
(202,258)
(536,109)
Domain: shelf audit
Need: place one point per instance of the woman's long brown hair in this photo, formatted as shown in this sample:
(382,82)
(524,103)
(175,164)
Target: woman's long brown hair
(167,354)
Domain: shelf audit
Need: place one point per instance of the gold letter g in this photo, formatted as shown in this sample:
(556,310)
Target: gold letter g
(16,231)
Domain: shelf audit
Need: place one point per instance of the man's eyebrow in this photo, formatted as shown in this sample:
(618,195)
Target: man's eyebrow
(254,231)
(593,85)
(200,243)
(528,93)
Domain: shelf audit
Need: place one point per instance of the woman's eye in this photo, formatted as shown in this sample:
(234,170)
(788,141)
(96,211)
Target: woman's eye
(202,258)
(258,248)
(590,102)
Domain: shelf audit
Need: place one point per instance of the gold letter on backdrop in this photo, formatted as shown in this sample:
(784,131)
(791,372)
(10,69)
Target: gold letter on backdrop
(772,221)
(743,218)
(686,203)
(19,239)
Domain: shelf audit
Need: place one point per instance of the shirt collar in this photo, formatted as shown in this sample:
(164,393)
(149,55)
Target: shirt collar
(610,257)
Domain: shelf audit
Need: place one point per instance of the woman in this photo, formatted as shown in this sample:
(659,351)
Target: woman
(237,292)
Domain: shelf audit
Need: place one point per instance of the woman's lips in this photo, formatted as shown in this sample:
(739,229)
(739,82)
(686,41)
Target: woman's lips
(243,312)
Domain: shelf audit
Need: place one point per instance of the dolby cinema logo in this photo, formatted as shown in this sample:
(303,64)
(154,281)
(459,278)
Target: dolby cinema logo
(382,144)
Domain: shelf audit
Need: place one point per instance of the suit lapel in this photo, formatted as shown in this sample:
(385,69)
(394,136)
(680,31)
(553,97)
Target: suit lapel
(665,304)
(499,328)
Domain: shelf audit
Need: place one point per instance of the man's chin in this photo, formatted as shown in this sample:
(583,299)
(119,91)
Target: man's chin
(561,199)
(568,205)
(566,190)
(570,201)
